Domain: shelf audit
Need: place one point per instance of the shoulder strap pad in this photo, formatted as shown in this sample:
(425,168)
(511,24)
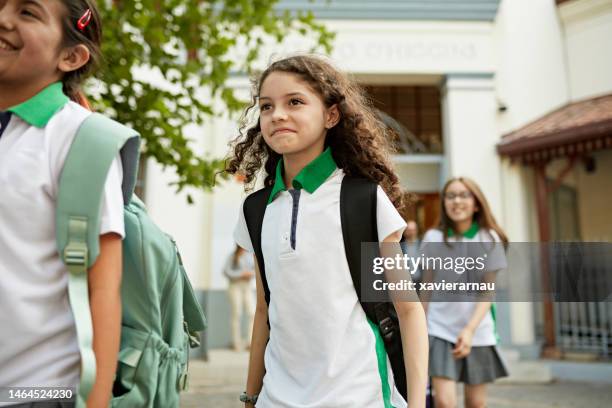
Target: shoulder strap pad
(81,185)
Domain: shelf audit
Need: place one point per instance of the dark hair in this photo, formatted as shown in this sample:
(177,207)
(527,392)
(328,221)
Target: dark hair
(484,216)
(90,36)
(359,142)
(238,250)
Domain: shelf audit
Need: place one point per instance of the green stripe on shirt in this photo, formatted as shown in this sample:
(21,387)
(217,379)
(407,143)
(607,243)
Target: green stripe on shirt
(494,318)
(381,356)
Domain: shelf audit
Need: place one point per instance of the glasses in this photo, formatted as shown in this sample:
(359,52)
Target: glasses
(464,195)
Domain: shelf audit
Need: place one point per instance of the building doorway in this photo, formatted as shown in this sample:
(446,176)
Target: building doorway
(414,115)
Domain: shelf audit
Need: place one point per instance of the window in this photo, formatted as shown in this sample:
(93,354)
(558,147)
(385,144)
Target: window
(413,113)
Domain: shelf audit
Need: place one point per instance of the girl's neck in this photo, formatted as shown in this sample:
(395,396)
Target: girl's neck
(292,169)
(14,94)
(294,163)
(463,226)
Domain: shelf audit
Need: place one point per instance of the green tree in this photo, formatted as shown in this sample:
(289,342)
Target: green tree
(189,43)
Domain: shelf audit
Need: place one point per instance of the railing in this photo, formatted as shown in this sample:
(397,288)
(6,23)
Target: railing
(584,327)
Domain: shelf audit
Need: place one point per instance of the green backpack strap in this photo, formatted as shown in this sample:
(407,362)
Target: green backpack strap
(193,315)
(81,186)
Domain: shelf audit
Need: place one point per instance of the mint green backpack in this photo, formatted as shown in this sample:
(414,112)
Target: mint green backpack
(161,315)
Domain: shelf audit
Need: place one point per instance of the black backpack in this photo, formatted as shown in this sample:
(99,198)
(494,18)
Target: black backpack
(358,218)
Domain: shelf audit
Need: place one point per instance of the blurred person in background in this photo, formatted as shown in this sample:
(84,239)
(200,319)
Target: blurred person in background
(240,270)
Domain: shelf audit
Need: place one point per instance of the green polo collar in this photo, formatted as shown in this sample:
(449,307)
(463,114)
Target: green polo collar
(310,178)
(470,233)
(39,109)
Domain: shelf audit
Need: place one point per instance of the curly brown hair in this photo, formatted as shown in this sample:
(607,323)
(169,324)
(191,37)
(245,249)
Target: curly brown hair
(359,142)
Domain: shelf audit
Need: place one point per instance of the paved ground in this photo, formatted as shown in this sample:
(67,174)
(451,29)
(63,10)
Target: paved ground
(218,382)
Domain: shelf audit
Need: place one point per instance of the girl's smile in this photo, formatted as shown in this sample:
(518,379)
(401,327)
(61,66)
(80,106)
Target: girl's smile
(30,46)
(279,131)
(459,202)
(6,46)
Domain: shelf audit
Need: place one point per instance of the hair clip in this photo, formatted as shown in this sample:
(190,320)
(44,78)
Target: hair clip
(84,20)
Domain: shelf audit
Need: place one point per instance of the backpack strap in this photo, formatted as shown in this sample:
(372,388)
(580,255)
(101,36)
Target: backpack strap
(358,198)
(254,210)
(194,320)
(79,201)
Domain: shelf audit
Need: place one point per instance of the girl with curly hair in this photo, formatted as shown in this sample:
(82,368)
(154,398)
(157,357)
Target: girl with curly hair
(312,344)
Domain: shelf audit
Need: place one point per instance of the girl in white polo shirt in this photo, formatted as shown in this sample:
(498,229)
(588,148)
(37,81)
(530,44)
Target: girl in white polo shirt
(46,49)
(314,126)
(462,334)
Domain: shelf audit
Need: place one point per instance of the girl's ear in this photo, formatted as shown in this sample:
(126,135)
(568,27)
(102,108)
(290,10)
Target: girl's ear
(332,116)
(73,58)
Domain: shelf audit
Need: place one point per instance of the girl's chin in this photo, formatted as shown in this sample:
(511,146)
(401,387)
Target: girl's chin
(460,217)
(281,150)
(285,149)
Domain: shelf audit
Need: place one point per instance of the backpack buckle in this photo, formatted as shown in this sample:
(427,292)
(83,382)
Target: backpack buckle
(75,257)
(76,253)
(387,328)
(183,382)
(193,337)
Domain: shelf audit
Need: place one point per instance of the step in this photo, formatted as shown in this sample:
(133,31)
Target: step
(509,354)
(527,372)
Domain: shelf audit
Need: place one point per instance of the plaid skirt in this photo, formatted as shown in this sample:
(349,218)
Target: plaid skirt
(483,364)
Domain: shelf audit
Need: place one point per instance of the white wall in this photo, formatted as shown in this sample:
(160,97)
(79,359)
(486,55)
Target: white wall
(531,77)
(409,47)
(587,25)
(398,47)
(530,80)
(470,133)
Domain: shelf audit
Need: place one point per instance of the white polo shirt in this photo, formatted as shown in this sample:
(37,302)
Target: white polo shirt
(38,343)
(322,352)
(447,319)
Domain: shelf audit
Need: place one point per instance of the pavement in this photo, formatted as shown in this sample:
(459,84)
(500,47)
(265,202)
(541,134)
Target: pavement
(218,382)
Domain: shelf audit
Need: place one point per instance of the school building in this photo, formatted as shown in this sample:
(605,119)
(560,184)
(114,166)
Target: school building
(516,94)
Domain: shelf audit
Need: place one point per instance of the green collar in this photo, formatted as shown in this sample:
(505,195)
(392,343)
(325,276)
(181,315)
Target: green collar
(40,108)
(470,233)
(310,178)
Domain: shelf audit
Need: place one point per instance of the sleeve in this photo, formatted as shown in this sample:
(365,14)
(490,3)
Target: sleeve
(496,255)
(432,235)
(241,232)
(387,218)
(111,216)
(430,243)
(247,262)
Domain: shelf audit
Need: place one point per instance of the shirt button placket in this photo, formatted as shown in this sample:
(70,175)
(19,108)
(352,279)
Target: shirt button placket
(295,195)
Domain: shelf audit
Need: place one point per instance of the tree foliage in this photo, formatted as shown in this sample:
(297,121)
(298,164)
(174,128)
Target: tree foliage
(188,46)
